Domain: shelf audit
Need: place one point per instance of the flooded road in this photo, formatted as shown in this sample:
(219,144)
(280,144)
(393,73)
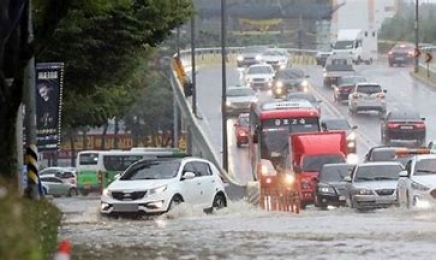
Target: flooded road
(244,232)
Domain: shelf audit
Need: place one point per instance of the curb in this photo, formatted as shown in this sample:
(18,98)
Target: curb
(422,79)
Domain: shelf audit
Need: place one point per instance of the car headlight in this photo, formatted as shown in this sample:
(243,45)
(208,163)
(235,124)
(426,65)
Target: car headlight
(351,144)
(351,136)
(305,186)
(364,192)
(254,100)
(325,190)
(157,190)
(289,179)
(278,90)
(324,74)
(352,158)
(107,192)
(279,84)
(419,186)
(258,57)
(305,83)
(240,58)
(228,103)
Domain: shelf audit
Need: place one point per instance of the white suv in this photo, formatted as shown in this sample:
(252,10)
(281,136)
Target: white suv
(154,186)
(367,97)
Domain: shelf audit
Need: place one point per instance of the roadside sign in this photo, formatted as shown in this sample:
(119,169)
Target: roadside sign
(428,57)
(417,52)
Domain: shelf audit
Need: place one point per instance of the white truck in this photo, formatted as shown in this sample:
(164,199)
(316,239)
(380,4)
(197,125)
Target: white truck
(358,44)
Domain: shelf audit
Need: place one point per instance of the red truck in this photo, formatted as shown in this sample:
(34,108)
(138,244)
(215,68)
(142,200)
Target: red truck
(309,152)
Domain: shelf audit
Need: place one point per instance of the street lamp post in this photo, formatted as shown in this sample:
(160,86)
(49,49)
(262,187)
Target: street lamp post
(224,84)
(416,27)
(193,67)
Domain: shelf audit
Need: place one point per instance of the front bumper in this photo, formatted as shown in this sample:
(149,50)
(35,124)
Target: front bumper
(330,199)
(148,205)
(265,85)
(373,201)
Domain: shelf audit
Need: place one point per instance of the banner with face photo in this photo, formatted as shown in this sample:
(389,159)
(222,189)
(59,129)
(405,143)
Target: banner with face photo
(49,86)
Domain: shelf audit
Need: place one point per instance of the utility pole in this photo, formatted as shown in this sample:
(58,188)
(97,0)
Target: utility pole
(175,105)
(32,190)
(20,152)
(416,27)
(193,67)
(224,84)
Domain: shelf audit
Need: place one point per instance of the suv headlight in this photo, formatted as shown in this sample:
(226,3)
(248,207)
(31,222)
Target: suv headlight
(305,83)
(258,57)
(107,192)
(157,190)
(364,192)
(279,84)
(289,179)
(228,103)
(419,186)
(351,136)
(325,190)
(240,58)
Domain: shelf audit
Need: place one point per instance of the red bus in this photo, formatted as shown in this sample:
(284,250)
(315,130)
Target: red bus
(271,123)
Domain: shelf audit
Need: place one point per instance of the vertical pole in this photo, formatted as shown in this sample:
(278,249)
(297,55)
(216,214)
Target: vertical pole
(20,158)
(175,105)
(224,84)
(32,190)
(416,27)
(194,80)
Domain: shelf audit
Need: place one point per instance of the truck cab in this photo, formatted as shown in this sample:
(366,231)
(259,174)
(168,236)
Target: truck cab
(357,44)
(309,153)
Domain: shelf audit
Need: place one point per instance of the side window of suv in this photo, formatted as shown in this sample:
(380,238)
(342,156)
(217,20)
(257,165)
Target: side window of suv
(203,169)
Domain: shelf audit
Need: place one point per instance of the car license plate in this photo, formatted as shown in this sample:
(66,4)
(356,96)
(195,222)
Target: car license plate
(125,207)
(399,58)
(406,127)
(87,186)
(369,98)
(341,198)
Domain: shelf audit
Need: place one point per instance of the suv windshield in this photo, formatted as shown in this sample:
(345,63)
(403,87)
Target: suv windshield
(88,159)
(343,45)
(260,70)
(425,167)
(377,172)
(152,170)
(334,173)
(369,89)
(337,124)
(245,121)
(290,74)
(240,92)
(314,163)
(351,80)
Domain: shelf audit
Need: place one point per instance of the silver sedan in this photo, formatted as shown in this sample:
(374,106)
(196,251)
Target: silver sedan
(372,185)
(55,186)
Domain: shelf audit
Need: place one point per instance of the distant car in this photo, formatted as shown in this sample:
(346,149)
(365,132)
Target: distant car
(289,80)
(250,55)
(239,100)
(372,185)
(330,187)
(401,54)
(242,129)
(321,57)
(155,186)
(278,58)
(55,186)
(403,125)
(345,85)
(367,97)
(417,184)
(260,76)
(305,96)
(67,174)
(342,125)
(391,153)
(432,146)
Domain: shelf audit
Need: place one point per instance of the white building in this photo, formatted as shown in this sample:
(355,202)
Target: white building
(362,14)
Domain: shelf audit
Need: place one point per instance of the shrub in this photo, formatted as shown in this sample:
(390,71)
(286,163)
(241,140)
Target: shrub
(28,229)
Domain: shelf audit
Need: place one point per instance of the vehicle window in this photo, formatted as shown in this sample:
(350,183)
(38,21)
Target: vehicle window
(151,170)
(67,175)
(352,80)
(240,92)
(294,125)
(369,89)
(314,163)
(48,171)
(203,169)
(290,74)
(382,155)
(119,163)
(334,173)
(343,45)
(377,172)
(245,121)
(88,159)
(260,70)
(51,179)
(189,167)
(403,115)
(425,167)
(337,125)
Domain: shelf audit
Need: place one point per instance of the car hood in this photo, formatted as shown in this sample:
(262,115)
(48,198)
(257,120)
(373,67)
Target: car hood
(134,185)
(241,99)
(429,181)
(376,185)
(291,81)
(250,55)
(263,75)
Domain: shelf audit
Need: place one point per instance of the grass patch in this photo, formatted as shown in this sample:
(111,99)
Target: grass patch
(28,229)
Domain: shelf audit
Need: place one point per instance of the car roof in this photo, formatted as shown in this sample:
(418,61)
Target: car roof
(379,163)
(425,156)
(405,114)
(260,65)
(367,84)
(337,165)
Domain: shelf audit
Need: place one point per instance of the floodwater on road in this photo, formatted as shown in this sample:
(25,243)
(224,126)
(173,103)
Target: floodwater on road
(242,231)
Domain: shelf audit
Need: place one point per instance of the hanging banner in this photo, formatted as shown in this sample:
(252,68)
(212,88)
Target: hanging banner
(49,86)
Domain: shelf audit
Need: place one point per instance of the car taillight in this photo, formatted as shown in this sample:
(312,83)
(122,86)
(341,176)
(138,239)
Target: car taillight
(420,125)
(381,96)
(393,125)
(356,96)
(242,133)
(411,53)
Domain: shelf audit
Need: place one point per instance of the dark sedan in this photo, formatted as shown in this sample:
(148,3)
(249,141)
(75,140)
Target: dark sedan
(401,54)
(345,86)
(330,188)
(403,126)
(305,96)
(289,80)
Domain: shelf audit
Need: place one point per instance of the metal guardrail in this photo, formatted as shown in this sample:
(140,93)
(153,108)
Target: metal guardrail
(197,140)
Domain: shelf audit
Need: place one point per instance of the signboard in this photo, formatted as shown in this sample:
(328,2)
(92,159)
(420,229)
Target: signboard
(49,86)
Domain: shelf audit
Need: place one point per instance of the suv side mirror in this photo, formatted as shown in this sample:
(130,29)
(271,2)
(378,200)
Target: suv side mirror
(385,91)
(307,76)
(188,176)
(235,124)
(423,118)
(347,179)
(404,174)
(354,127)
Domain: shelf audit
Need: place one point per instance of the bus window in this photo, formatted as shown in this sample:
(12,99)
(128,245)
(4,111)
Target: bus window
(88,159)
(119,163)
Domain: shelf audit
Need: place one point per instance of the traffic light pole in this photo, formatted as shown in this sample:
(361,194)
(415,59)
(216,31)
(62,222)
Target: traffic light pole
(193,67)
(224,85)
(416,27)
